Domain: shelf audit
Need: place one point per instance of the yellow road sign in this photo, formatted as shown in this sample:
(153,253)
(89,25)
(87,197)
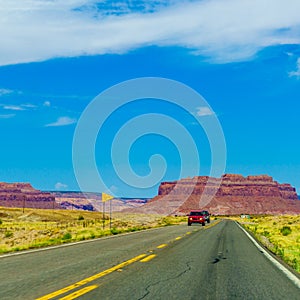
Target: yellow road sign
(106,197)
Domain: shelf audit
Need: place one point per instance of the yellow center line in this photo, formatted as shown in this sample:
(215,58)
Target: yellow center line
(178,238)
(214,224)
(92,278)
(188,232)
(146,259)
(79,293)
(162,246)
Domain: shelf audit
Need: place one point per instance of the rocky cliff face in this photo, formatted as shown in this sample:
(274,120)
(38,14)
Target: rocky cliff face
(233,194)
(232,185)
(24,195)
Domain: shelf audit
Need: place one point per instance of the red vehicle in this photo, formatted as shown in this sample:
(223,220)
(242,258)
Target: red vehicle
(196,216)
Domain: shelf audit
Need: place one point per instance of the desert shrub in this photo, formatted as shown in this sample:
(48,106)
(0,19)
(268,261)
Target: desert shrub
(280,252)
(80,218)
(286,230)
(1,222)
(295,264)
(134,228)
(114,230)
(8,234)
(266,233)
(67,236)
(92,235)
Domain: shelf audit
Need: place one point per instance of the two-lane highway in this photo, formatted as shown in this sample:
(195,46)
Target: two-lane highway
(177,262)
(26,276)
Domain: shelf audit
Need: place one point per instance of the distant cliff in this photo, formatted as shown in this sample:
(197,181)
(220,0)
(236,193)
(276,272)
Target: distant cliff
(24,195)
(233,186)
(234,194)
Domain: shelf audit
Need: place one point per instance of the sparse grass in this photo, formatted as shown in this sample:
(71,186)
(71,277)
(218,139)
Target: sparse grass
(40,228)
(280,234)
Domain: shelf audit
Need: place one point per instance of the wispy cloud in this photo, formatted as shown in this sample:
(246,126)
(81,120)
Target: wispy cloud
(14,107)
(60,186)
(5,92)
(20,107)
(7,116)
(62,121)
(296,73)
(47,103)
(222,30)
(29,106)
(204,111)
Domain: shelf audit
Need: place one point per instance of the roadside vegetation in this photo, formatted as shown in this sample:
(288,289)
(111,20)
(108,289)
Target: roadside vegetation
(280,234)
(37,228)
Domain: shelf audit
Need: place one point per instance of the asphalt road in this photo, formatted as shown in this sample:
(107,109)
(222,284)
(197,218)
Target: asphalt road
(178,262)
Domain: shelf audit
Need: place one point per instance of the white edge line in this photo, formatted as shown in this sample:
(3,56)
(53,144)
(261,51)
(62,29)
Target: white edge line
(282,268)
(23,252)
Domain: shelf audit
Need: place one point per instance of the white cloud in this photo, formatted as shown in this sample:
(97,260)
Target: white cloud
(223,30)
(47,104)
(204,111)
(62,121)
(296,73)
(60,186)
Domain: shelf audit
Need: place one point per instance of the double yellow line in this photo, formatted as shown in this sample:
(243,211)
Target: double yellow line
(87,280)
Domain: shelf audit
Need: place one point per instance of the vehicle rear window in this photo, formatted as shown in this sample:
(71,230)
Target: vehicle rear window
(196,213)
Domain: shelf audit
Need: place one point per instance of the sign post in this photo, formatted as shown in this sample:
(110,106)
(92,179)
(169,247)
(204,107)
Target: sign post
(106,197)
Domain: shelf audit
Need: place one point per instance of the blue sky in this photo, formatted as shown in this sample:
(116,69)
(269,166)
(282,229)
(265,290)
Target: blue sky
(56,56)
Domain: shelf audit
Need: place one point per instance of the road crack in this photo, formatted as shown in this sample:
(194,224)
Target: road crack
(220,247)
(147,288)
(219,258)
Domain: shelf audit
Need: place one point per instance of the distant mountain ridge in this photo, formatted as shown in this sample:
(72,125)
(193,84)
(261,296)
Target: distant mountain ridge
(93,201)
